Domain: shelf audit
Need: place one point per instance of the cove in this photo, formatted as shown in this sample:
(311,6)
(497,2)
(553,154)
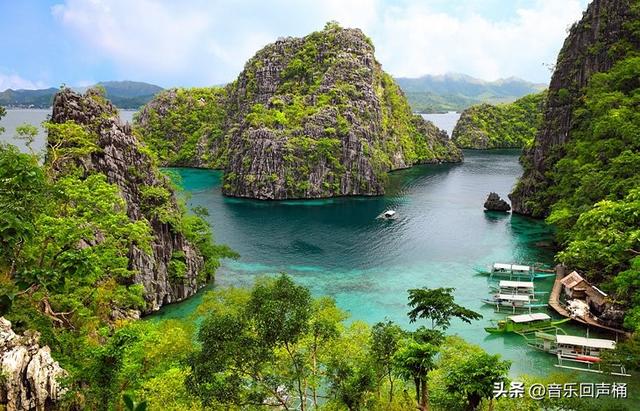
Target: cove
(337,247)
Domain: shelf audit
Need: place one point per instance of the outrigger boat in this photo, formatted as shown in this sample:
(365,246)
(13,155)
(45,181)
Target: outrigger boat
(514,301)
(516,287)
(580,350)
(513,271)
(524,323)
(388,215)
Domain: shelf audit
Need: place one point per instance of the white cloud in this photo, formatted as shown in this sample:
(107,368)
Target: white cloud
(415,40)
(15,82)
(140,34)
(204,42)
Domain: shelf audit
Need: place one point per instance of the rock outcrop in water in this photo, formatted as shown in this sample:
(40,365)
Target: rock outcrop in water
(31,378)
(488,126)
(148,195)
(495,203)
(601,38)
(313,117)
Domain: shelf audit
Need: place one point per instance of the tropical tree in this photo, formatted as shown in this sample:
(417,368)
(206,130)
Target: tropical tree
(385,342)
(250,356)
(474,376)
(27,133)
(413,361)
(438,306)
(416,358)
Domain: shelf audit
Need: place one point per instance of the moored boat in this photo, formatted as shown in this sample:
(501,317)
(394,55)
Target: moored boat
(513,271)
(516,287)
(579,350)
(513,301)
(524,323)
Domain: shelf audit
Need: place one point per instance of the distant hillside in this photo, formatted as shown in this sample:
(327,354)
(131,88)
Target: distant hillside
(124,94)
(456,92)
(511,125)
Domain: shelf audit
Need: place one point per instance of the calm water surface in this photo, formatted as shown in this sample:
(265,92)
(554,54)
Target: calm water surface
(337,247)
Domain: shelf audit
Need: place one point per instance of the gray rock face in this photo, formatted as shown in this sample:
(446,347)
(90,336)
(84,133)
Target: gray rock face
(495,203)
(122,159)
(31,377)
(587,50)
(317,117)
(308,117)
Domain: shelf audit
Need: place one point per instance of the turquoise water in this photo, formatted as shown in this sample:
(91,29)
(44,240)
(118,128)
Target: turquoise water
(337,247)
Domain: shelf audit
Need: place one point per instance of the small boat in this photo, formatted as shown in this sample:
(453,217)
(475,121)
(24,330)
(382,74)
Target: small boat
(580,350)
(513,271)
(524,323)
(516,287)
(514,301)
(388,215)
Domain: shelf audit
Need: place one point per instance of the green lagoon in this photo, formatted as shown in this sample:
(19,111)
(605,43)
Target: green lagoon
(337,247)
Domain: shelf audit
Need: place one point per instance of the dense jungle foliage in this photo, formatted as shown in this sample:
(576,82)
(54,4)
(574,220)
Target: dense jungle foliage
(512,125)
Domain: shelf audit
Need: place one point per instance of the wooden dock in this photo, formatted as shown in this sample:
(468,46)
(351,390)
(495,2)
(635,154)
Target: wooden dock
(554,302)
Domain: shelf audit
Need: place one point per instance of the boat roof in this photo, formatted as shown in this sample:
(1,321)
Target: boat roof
(389,212)
(585,342)
(526,318)
(513,297)
(516,284)
(511,267)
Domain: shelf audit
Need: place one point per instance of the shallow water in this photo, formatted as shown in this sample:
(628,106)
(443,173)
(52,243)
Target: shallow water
(337,247)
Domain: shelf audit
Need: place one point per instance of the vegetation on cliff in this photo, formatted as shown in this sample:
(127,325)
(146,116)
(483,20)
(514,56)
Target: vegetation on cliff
(583,169)
(307,117)
(512,125)
(71,239)
(185,127)
(596,186)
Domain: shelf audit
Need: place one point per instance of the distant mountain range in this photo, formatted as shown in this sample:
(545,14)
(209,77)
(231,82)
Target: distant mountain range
(455,92)
(124,94)
(426,94)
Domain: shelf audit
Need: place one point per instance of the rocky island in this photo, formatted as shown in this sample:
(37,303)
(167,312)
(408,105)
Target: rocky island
(510,125)
(308,117)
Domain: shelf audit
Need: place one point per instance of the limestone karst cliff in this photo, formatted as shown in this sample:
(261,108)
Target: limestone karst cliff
(603,36)
(148,194)
(307,118)
(31,378)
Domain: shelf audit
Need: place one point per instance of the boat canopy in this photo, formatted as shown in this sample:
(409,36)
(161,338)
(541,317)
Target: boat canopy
(527,318)
(513,297)
(516,284)
(389,213)
(511,267)
(585,342)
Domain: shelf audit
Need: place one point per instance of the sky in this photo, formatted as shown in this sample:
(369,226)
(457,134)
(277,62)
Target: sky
(206,42)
